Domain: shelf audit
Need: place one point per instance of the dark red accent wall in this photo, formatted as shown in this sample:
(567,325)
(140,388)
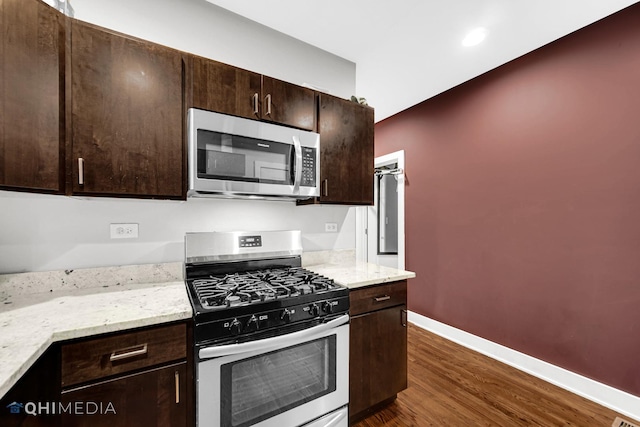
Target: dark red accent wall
(523,202)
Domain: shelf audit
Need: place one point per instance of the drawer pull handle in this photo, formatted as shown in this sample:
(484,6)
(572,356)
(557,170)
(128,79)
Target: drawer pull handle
(177,387)
(129,352)
(383,298)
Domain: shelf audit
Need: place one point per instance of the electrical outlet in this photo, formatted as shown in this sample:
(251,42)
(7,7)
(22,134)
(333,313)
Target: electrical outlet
(123,231)
(331,227)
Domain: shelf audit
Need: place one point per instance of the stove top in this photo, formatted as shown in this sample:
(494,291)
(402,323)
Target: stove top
(243,284)
(251,287)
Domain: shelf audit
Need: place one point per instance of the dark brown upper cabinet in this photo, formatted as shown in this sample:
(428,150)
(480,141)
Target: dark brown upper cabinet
(288,104)
(230,90)
(31,94)
(346,152)
(126,116)
(225,89)
(89,111)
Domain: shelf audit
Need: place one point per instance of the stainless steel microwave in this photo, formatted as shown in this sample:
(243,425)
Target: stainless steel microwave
(236,157)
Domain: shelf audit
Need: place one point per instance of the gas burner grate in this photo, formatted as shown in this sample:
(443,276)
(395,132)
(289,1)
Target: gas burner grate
(258,286)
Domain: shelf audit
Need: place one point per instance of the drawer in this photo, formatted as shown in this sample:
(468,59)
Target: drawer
(116,354)
(377,297)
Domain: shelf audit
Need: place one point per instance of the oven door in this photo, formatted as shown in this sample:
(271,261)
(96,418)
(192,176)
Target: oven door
(288,380)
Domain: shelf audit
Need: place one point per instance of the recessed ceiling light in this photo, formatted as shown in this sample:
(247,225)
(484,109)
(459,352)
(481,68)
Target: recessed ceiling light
(474,37)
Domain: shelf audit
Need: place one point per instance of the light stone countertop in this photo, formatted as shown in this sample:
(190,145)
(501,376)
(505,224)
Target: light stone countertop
(342,267)
(110,302)
(38,309)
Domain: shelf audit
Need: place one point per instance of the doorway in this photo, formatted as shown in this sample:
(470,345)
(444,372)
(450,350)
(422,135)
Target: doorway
(380,228)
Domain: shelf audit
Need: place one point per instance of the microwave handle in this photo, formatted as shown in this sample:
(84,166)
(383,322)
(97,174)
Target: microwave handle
(297,148)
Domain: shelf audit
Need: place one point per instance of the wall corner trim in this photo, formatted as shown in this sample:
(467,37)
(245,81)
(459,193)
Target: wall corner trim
(612,398)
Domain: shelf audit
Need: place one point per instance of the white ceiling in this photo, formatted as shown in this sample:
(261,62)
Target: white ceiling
(408,51)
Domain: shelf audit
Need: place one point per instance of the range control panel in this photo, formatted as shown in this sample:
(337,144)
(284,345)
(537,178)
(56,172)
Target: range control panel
(250,241)
(262,320)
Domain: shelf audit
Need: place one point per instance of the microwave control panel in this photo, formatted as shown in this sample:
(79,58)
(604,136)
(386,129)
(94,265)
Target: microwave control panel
(308,167)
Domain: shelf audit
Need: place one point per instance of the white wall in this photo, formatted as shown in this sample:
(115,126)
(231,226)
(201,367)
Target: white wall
(42,232)
(199,27)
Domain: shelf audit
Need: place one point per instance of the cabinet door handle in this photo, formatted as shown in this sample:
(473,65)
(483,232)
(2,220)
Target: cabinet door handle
(268,101)
(403,318)
(255,103)
(80,171)
(382,298)
(177,376)
(129,352)
(325,188)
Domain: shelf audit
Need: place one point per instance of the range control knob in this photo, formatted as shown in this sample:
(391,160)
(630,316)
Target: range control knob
(286,316)
(252,324)
(235,327)
(327,307)
(314,310)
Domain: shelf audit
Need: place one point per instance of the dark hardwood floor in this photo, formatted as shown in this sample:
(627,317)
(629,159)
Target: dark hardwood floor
(450,385)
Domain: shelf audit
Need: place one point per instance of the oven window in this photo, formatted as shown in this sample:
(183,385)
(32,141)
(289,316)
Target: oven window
(239,158)
(263,386)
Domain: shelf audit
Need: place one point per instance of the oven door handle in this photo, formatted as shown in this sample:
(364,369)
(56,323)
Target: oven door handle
(265,344)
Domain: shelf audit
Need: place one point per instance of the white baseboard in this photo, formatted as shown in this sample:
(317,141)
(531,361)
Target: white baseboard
(617,400)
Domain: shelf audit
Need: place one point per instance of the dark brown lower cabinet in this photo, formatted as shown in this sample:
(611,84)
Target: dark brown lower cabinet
(134,378)
(130,378)
(38,386)
(377,348)
(155,398)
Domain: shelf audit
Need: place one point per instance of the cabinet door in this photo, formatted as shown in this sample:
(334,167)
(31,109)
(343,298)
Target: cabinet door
(152,399)
(127,115)
(346,151)
(225,89)
(39,384)
(31,82)
(378,358)
(288,104)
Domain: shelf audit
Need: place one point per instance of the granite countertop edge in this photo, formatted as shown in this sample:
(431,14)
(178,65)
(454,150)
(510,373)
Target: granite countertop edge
(358,274)
(25,334)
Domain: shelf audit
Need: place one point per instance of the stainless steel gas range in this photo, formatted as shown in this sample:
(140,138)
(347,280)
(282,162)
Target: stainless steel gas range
(271,338)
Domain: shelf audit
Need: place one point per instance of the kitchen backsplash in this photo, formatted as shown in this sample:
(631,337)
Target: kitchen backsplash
(328,257)
(46,233)
(17,287)
(22,284)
